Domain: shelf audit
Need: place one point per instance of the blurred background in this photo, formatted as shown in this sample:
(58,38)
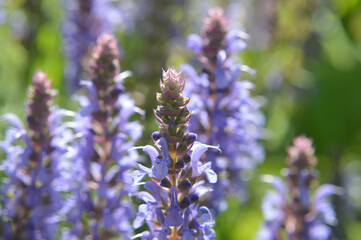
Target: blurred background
(307,54)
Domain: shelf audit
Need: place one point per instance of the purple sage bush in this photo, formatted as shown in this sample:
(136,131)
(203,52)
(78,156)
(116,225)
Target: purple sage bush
(224,110)
(292,212)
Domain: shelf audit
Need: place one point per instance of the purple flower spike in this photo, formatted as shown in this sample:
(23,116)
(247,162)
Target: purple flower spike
(176,173)
(85,21)
(224,110)
(102,163)
(36,168)
(291,208)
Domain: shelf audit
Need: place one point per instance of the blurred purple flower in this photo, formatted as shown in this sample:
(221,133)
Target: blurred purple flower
(291,207)
(224,111)
(101,161)
(35,166)
(85,21)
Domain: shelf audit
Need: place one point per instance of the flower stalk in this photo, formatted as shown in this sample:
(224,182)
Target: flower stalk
(224,110)
(104,182)
(32,192)
(292,209)
(177,174)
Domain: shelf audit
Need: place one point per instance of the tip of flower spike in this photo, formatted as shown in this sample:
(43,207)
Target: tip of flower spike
(302,143)
(172,79)
(41,82)
(301,154)
(216,14)
(104,65)
(216,21)
(108,40)
(39,77)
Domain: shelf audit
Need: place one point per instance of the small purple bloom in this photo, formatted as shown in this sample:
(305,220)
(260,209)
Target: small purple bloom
(292,208)
(85,21)
(37,168)
(224,110)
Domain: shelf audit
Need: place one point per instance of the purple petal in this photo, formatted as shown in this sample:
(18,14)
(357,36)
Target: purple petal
(188,70)
(152,152)
(111,173)
(221,57)
(325,190)
(271,207)
(146,197)
(160,215)
(163,143)
(320,232)
(197,150)
(223,78)
(235,34)
(195,43)
(160,170)
(188,236)
(91,88)
(138,175)
(236,45)
(13,120)
(174,218)
(143,211)
(155,189)
(144,169)
(204,214)
(211,176)
(277,182)
(326,210)
(95,170)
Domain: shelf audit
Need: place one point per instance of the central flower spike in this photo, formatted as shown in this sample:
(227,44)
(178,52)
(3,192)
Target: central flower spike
(173,116)
(178,173)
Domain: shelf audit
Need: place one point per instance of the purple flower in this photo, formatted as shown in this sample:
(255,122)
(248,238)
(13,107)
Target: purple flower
(224,111)
(174,218)
(291,207)
(160,165)
(85,21)
(101,161)
(35,168)
(177,173)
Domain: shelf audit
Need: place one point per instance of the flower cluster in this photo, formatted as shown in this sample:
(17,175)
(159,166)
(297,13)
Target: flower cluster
(86,20)
(177,175)
(224,111)
(34,166)
(291,208)
(101,161)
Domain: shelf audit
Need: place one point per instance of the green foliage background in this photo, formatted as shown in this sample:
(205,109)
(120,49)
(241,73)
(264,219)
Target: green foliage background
(314,49)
